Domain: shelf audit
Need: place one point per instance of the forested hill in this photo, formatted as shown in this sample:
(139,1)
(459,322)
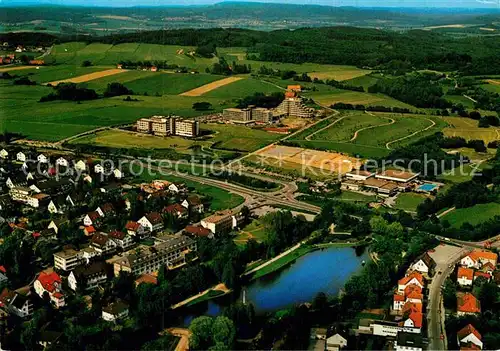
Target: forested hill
(334,45)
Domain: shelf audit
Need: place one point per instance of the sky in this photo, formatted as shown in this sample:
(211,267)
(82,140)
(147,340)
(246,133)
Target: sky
(358,3)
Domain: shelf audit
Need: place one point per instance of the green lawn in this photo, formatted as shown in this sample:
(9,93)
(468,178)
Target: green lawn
(208,296)
(474,215)
(356,197)
(282,262)
(409,201)
(240,138)
(255,229)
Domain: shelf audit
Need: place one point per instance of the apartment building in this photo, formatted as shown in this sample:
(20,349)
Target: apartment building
(186,128)
(294,107)
(222,222)
(170,252)
(28,196)
(68,259)
(264,115)
(237,114)
(164,126)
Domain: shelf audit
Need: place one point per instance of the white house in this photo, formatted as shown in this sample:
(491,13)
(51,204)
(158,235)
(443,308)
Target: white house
(469,335)
(152,222)
(91,218)
(115,311)
(413,278)
(134,228)
(4,153)
(61,161)
(102,243)
(21,156)
(121,239)
(80,166)
(117,173)
(88,276)
(56,207)
(465,276)
(424,264)
(477,258)
(51,284)
(42,158)
(193,204)
(175,188)
(16,303)
(335,342)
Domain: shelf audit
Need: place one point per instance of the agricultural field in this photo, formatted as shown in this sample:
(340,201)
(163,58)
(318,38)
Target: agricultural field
(354,97)
(467,128)
(88,77)
(242,88)
(208,87)
(45,74)
(474,215)
(492,85)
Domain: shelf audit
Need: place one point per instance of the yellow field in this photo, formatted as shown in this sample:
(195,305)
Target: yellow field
(331,162)
(342,73)
(491,81)
(211,86)
(14,68)
(467,128)
(90,76)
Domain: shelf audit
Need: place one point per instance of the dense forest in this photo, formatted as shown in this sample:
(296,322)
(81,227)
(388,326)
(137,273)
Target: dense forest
(363,47)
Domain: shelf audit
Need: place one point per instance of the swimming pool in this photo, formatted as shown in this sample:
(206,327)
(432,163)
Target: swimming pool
(427,187)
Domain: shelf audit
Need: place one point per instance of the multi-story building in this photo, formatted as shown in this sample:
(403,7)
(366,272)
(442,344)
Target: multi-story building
(68,259)
(294,107)
(221,222)
(237,114)
(28,196)
(170,252)
(264,115)
(88,277)
(164,126)
(186,127)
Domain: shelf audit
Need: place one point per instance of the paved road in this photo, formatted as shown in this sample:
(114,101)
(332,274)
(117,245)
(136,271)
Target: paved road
(435,309)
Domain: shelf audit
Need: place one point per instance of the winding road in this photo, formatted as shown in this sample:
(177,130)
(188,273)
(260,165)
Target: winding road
(355,136)
(411,135)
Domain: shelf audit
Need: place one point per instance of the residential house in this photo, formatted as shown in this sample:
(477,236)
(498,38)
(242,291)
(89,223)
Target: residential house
(89,231)
(488,268)
(468,304)
(479,274)
(22,157)
(176,188)
(4,154)
(118,173)
(102,243)
(92,219)
(51,284)
(80,166)
(335,342)
(134,228)
(220,222)
(121,239)
(16,181)
(47,234)
(198,231)
(42,158)
(56,224)
(68,259)
(61,161)
(465,276)
(193,204)
(425,264)
(16,303)
(414,278)
(152,222)
(57,205)
(398,302)
(87,277)
(115,311)
(408,342)
(477,258)
(469,335)
(177,211)
(106,210)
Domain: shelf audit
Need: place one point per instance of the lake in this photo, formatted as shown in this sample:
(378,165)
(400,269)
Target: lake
(325,270)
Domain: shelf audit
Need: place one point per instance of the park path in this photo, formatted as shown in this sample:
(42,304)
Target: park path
(356,133)
(412,134)
(444,213)
(267,263)
(210,86)
(219,287)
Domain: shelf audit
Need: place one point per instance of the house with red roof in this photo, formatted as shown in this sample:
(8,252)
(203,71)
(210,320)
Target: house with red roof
(106,210)
(469,335)
(465,276)
(398,302)
(134,228)
(176,210)
(92,219)
(51,284)
(477,258)
(89,231)
(468,304)
(414,278)
(411,294)
(478,274)
(122,240)
(198,231)
(412,315)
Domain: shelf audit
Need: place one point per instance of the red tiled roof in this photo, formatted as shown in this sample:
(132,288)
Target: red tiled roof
(488,255)
(417,318)
(199,231)
(49,280)
(413,289)
(131,225)
(465,272)
(94,215)
(469,347)
(398,297)
(468,329)
(90,229)
(2,269)
(488,265)
(408,278)
(107,208)
(468,304)
(482,274)
(146,278)
(117,234)
(57,295)
(411,307)
(175,208)
(154,217)
(99,239)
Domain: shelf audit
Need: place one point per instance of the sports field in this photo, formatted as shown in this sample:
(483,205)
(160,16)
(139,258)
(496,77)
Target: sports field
(368,134)
(467,128)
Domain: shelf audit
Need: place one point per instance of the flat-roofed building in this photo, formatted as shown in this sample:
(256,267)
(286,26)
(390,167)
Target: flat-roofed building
(260,114)
(220,222)
(381,186)
(157,125)
(148,259)
(358,174)
(397,175)
(68,259)
(237,114)
(186,128)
